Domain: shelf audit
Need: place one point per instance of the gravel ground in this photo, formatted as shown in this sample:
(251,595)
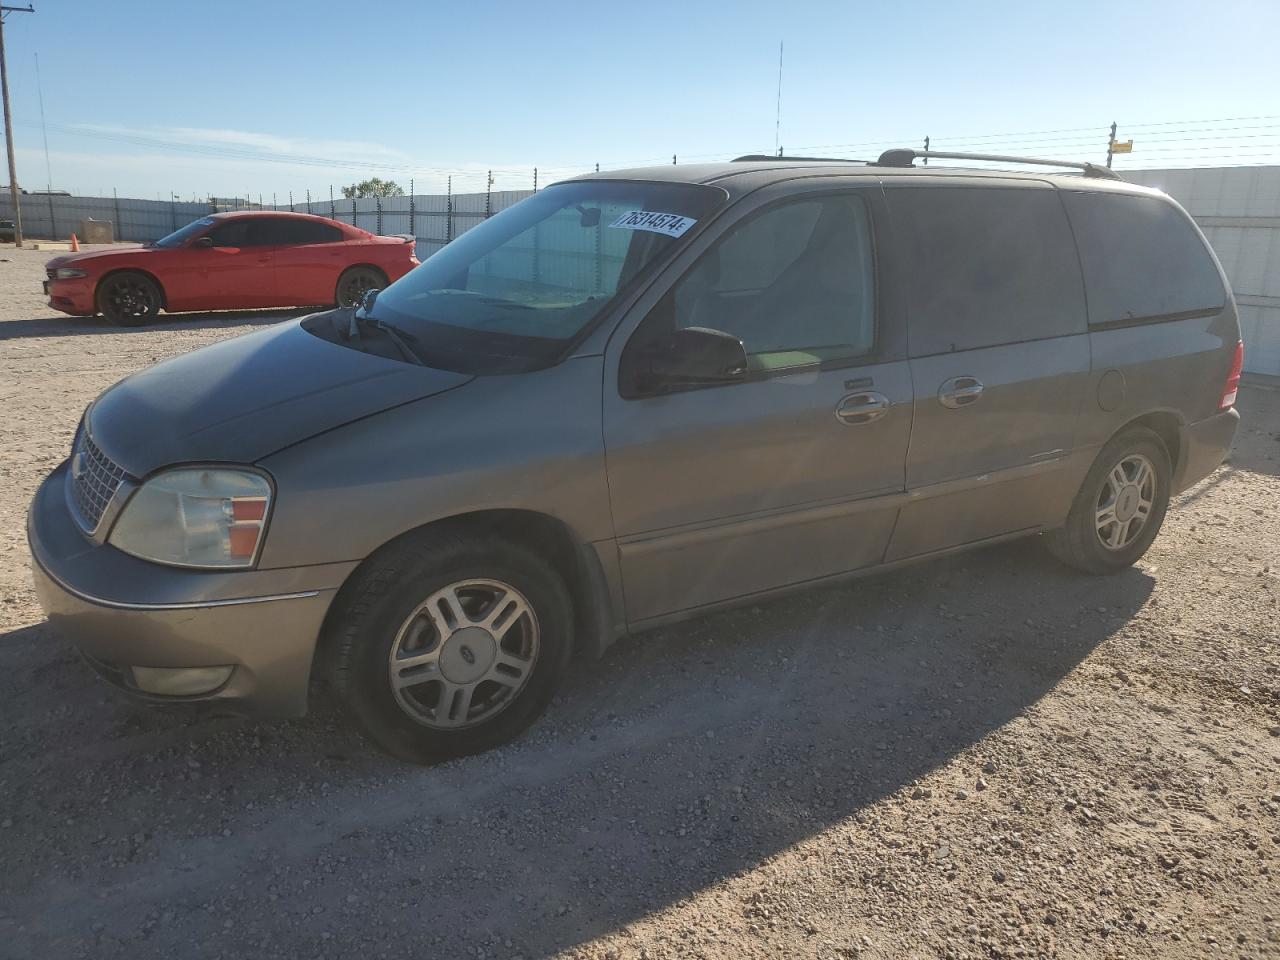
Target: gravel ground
(986,756)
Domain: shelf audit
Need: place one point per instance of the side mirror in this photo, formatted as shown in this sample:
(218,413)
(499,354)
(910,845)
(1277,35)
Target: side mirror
(694,356)
(202,243)
(367,300)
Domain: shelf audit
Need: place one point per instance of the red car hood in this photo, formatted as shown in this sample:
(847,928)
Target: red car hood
(80,258)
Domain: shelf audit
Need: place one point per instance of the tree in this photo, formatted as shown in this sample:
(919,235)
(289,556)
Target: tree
(373,187)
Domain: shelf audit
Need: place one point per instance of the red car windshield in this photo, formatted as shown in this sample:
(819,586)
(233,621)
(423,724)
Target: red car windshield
(183,235)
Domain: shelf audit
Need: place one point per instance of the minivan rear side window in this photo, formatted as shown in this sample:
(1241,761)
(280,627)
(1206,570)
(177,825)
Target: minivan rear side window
(987,266)
(1142,260)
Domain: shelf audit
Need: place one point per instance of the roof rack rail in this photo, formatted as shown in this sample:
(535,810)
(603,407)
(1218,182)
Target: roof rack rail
(903,156)
(764,157)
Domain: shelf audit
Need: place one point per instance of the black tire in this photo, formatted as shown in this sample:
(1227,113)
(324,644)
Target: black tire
(129,298)
(355,282)
(375,608)
(1080,542)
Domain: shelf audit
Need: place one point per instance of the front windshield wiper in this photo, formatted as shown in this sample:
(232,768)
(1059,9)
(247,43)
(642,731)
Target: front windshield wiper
(397,335)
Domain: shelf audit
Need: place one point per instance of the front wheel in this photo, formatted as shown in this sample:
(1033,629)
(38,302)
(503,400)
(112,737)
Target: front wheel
(355,282)
(1120,506)
(448,645)
(129,299)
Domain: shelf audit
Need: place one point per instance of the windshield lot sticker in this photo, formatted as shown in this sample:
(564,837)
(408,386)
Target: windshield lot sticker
(670,224)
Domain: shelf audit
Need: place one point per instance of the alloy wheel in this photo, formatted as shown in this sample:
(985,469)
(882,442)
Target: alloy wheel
(130,297)
(464,654)
(1125,502)
(355,286)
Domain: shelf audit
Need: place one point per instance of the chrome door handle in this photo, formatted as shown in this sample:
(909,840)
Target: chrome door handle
(862,407)
(960,392)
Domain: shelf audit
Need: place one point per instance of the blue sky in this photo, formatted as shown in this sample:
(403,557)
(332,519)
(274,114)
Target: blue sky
(198,97)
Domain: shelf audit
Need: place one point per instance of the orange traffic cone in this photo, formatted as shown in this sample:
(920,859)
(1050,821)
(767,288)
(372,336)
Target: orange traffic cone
(75,244)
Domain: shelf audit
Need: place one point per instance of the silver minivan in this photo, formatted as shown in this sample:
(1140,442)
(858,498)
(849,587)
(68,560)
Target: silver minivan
(631,398)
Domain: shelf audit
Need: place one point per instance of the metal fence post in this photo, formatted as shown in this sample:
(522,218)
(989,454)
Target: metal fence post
(535,179)
(448,217)
(119,227)
(308,200)
(537,244)
(353,210)
(377,202)
(599,261)
(291,201)
(173,211)
(53,223)
(333,211)
(488,195)
(411,223)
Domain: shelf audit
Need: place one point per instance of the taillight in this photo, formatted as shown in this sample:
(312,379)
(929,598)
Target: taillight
(1233,379)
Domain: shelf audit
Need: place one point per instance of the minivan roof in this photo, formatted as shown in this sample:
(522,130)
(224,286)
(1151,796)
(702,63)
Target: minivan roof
(742,176)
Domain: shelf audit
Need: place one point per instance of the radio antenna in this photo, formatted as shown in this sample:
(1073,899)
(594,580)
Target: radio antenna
(777,122)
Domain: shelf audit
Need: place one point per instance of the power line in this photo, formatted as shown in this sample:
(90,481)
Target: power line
(1170,141)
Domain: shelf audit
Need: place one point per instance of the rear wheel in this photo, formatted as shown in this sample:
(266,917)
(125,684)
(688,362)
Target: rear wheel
(1120,507)
(449,645)
(355,282)
(129,298)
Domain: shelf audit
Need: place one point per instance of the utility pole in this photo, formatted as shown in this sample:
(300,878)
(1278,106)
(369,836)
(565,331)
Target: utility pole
(8,125)
(1111,144)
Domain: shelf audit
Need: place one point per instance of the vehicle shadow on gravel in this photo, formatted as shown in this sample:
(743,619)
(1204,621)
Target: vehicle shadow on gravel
(63,326)
(685,757)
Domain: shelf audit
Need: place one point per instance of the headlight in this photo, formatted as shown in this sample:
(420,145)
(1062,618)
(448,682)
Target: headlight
(68,273)
(196,517)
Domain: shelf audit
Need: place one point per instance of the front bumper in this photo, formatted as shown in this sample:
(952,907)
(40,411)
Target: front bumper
(1207,444)
(123,612)
(73,296)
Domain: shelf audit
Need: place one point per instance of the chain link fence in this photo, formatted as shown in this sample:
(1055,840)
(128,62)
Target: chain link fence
(434,219)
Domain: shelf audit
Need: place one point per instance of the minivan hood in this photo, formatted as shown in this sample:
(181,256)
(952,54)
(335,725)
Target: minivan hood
(243,399)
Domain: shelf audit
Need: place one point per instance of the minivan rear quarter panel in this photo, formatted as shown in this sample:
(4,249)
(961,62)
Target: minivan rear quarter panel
(1138,246)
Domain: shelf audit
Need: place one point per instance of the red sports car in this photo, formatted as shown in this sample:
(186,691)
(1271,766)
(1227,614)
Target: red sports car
(230,261)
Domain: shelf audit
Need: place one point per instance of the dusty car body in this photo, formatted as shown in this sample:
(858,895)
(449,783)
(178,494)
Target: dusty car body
(686,448)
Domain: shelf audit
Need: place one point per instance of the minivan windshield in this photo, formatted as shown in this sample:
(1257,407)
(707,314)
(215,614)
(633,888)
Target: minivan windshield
(512,293)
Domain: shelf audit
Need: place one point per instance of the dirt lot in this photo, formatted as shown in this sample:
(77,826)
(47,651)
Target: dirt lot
(981,757)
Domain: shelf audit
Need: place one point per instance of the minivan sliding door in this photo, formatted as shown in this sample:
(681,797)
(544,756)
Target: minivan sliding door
(999,352)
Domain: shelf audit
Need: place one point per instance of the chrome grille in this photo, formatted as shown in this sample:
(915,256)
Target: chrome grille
(94,480)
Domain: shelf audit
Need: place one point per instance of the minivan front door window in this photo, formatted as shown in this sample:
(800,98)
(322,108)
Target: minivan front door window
(795,283)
